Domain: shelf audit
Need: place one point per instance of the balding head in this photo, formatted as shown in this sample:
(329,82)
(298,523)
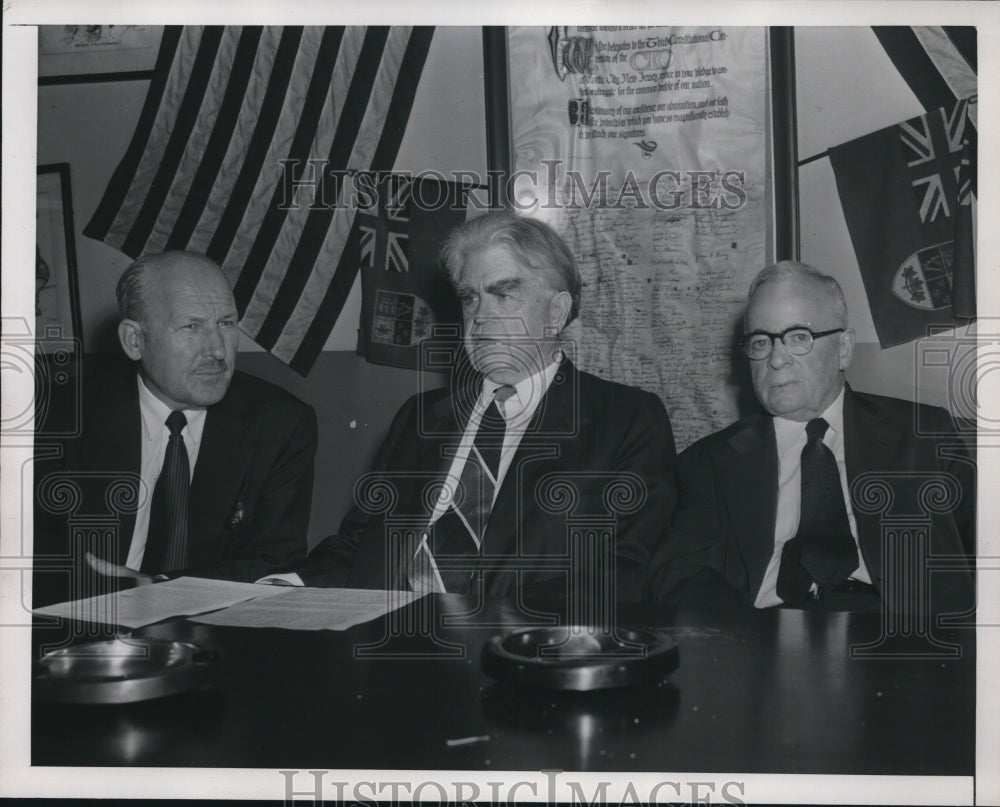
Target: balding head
(801,275)
(179,323)
(133,286)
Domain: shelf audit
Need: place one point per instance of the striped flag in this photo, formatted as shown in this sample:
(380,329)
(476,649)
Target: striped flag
(938,63)
(244,152)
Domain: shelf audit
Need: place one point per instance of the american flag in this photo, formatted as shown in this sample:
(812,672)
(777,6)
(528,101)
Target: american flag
(938,63)
(240,152)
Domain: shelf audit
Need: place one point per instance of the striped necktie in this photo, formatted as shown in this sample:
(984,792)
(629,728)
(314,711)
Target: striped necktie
(460,529)
(166,541)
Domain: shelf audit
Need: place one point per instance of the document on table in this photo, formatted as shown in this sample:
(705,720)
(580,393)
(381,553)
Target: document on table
(312,609)
(144,605)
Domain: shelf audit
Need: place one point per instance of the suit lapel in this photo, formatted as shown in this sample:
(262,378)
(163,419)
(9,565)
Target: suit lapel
(446,418)
(440,427)
(115,445)
(552,440)
(870,443)
(224,456)
(748,488)
(869,437)
(443,427)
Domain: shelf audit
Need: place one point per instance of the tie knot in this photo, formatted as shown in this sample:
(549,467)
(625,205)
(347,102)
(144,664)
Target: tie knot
(816,428)
(503,393)
(176,422)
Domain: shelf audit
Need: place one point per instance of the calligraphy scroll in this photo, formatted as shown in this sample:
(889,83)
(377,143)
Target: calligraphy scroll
(647,149)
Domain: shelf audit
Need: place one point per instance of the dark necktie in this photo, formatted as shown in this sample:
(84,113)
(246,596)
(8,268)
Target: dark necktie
(460,529)
(823,550)
(166,541)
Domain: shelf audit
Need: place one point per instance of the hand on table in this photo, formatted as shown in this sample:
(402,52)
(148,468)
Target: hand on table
(109,569)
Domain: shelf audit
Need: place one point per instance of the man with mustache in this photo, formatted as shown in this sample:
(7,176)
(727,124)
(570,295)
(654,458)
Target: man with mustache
(222,461)
(504,476)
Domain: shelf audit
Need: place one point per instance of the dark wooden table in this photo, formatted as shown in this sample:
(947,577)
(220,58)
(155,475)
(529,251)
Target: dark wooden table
(767,692)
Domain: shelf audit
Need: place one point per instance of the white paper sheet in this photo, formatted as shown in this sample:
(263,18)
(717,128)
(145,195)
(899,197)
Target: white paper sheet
(145,605)
(312,609)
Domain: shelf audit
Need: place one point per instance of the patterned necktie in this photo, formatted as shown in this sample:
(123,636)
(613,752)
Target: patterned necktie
(823,550)
(460,529)
(166,541)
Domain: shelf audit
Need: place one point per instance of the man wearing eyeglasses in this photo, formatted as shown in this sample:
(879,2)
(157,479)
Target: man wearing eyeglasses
(765,506)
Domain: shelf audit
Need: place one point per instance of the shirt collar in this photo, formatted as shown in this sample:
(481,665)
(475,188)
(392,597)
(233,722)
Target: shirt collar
(834,414)
(154,415)
(786,431)
(528,392)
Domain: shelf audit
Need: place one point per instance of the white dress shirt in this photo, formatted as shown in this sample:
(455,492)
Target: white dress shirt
(154,437)
(791,438)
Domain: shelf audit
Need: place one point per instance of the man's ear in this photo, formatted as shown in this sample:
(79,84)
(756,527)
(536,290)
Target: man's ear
(130,336)
(559,309)
(846,348)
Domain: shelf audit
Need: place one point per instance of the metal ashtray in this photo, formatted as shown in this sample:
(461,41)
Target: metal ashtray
(580,657)
(122,670)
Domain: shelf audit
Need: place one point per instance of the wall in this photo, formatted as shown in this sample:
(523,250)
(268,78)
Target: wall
(90,125)
(354,403)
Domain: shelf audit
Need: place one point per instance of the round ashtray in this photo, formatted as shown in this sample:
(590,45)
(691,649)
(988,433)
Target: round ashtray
(122,670)
(580,657)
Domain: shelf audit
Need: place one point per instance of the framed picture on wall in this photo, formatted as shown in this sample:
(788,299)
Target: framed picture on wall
(87,53)
(57,294)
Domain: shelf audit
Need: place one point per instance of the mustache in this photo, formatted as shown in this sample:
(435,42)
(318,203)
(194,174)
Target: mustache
(211,366)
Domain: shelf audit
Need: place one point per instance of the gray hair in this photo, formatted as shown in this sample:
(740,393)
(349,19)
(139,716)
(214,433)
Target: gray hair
(532,243)
(131,289)
(131,302)
(802,273)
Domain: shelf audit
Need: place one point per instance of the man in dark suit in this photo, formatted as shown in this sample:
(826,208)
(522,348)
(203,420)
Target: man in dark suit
(574,472)
(788,507)
(187,467)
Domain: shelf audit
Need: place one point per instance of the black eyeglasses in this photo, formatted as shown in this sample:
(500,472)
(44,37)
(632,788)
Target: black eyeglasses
(797,340)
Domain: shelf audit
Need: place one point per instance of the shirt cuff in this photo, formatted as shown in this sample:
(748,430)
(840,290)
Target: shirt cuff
(287,579)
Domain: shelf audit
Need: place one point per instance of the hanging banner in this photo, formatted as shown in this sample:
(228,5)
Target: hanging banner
(404,291)
(907,194)
(647,149)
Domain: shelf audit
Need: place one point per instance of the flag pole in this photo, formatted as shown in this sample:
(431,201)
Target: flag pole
(787,241)
(498,154)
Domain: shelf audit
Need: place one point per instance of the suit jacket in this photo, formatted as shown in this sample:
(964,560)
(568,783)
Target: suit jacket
(250,492)
(593,448)
(723,527)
